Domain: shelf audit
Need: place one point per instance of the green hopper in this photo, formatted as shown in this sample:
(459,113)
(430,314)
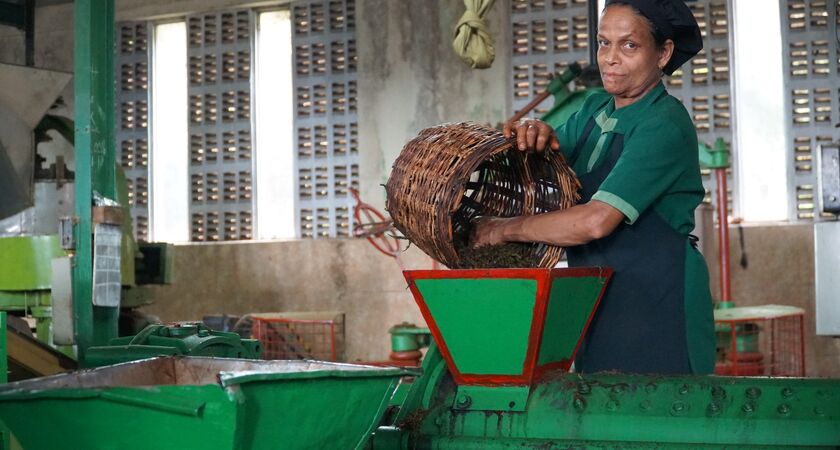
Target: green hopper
(501,330)
(200,403)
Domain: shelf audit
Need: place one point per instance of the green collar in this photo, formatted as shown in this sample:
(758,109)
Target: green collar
(640,104)
(608,120)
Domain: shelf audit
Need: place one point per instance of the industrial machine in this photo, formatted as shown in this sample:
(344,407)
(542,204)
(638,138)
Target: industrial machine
(37,221)
(497,378)
(32,197)
(188,338)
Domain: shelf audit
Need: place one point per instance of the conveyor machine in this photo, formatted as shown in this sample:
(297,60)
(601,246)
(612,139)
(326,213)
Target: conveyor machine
(498,378)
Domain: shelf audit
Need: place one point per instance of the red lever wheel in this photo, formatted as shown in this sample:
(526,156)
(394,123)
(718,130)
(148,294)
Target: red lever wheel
(372,225)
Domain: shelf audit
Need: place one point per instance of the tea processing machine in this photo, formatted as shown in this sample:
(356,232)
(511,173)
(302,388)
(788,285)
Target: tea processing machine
(498,379)
(496,376)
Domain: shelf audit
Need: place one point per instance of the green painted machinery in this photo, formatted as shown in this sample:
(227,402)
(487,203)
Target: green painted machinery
(25,276)
(567,101)
(188,339)
(200,403)
(498,378)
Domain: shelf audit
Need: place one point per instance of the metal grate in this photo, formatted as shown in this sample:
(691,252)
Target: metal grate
(764,344)
(318,336)
(326,121)
(220,49)
(132,133)
(547,36)
(703,84)
(812,68)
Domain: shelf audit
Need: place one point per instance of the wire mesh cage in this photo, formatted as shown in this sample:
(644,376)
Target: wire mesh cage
(760,341)
(452,173)
(302,335)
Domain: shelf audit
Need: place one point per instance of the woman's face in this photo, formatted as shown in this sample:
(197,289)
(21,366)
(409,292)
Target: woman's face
(630,62)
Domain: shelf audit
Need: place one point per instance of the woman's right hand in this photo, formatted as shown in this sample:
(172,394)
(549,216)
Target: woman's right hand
(532,135)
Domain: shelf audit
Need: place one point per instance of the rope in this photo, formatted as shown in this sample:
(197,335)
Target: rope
(473,42)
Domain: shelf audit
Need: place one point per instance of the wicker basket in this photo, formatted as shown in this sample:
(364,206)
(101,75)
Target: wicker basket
(452,173)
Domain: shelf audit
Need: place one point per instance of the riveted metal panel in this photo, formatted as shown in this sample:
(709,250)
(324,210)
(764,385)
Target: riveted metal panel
(326,121)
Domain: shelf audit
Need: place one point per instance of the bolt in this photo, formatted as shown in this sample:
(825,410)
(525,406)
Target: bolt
(753,393)
(713,409)
(787,392)
(683,389)
(783,409)
(617,389)
(819,411)
(645,405)
(678,408)
(650,388)
(718,393)
(579,403)
(612,405)
(584,388)
(511,405)
(748,407)
(823,394)
(464,401)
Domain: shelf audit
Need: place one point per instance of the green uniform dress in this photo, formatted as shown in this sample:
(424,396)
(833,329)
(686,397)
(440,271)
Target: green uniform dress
(656,316)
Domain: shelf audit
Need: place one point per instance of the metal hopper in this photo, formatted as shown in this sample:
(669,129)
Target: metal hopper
(201,403)
(26,94)
(499,330)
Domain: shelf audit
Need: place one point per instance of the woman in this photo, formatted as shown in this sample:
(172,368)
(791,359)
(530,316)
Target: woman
(635,152)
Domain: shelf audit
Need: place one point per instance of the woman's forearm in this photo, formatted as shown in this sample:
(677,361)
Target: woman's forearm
(574,226)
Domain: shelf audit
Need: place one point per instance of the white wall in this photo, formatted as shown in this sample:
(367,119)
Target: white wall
(410,79)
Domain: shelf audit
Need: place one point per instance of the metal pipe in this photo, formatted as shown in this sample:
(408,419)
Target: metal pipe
(531,105)
(4,351)
(723,234)
(29,31)
(592,22)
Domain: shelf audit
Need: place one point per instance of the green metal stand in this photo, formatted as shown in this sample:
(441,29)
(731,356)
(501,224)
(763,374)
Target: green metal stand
(716,157)
(95,158)
(5,435)
(4,351)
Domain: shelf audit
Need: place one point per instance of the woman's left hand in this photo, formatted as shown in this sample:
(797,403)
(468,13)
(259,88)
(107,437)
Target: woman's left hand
(487,231)
(532,135)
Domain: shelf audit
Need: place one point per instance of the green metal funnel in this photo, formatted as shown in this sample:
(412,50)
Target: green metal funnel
(200,403)
(507,326)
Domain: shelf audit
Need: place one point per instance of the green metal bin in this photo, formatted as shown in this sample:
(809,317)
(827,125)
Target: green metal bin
(200,403)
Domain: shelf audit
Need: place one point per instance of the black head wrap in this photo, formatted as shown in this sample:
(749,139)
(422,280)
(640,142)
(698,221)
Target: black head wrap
(671,19)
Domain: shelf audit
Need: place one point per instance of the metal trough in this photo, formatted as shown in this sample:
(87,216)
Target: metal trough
(200,403)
